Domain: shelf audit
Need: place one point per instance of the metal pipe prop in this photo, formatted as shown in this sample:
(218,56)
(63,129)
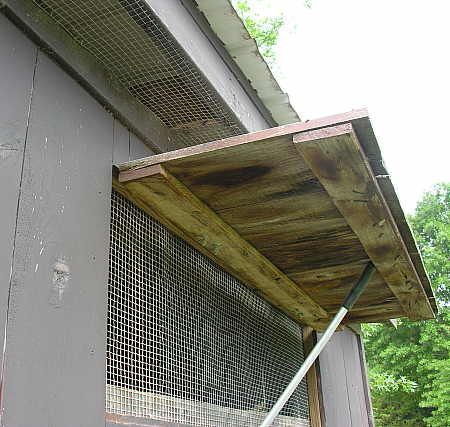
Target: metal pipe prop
(350,300)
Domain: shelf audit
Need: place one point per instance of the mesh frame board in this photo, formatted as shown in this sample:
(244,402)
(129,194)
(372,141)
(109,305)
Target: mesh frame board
(129,41)
(187,342)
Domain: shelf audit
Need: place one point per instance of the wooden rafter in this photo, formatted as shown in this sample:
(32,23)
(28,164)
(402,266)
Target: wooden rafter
(335,156)
(295,211)
(164,197)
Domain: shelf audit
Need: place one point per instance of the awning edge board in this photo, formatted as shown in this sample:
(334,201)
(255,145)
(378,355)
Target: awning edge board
(336,158)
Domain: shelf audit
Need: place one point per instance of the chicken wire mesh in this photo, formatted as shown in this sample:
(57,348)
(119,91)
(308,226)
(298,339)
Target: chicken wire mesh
(130,42)
(187,342)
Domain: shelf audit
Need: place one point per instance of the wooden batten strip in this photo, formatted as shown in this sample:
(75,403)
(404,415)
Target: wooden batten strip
(336,158)
(165,198)
(313,380)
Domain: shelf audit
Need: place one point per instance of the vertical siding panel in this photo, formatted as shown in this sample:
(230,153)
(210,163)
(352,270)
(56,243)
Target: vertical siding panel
(343,382)
(138,149)
(55,358)
(334,384)
(17,62)
(121,146)
(355,387)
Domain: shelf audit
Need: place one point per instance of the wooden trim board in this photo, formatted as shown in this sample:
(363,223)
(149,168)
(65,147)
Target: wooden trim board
(336,158)
(138,168)
(164,197)
(313,380)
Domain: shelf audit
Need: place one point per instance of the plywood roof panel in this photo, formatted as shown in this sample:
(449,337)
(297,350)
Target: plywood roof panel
(305,199)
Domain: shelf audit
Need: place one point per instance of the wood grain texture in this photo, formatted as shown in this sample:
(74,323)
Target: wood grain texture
(130,170)
(167,199)
(262,187)
(335,157)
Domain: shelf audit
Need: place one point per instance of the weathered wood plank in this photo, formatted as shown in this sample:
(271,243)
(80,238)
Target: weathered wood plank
(261,186)
(339,285)
(308,254)
(336,158)
(167,199)
(136,169)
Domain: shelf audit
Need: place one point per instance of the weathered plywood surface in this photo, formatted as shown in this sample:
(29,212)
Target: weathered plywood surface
(317,230)
(171,202)
(56,340)
(335,156)
(17,62)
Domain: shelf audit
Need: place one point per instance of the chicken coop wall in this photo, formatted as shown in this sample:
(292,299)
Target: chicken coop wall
(63,123)
(57,147)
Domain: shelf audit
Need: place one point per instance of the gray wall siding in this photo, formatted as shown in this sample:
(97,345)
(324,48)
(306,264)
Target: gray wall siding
(127,146)
(55,352)
(56,249)
(342,378)
(17,60)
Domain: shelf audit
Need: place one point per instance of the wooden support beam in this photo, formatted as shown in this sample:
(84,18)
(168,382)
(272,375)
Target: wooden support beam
(165,198)
(336,158)
(313,380)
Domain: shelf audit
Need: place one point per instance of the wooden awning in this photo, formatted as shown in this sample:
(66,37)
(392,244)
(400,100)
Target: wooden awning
(295,212)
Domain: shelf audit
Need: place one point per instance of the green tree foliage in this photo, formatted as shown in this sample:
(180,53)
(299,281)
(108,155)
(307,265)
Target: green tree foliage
(264,29)
(409,367)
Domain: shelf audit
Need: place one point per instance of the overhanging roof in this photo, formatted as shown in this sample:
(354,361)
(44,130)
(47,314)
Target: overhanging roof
(295,212)
(229,28)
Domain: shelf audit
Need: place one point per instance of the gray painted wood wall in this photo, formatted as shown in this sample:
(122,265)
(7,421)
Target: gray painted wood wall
(342,375)
(57,147)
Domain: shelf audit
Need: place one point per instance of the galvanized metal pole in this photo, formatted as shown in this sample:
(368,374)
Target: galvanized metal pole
(346,306)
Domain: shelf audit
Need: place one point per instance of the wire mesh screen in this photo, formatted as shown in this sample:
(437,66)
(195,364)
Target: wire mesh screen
(129,41)
(187,342)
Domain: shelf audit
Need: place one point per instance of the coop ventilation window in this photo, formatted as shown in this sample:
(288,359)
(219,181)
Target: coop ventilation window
(127,38)
(187,342)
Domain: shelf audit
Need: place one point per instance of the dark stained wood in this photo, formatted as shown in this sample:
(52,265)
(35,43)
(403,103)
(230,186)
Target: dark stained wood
(168,200)
(335,156)
(338,286)
(264,188)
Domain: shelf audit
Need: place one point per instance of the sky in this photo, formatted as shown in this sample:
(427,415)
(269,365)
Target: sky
(391,56)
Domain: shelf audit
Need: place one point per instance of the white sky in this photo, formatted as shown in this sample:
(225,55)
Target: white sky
(392,56)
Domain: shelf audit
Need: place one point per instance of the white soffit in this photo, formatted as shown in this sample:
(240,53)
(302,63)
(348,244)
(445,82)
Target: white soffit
(229,28)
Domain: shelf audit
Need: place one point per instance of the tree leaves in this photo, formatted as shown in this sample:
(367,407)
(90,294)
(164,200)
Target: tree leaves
(417,352)
(264,29)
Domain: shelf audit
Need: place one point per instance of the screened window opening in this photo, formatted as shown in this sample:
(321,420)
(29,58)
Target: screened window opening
(187,342)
